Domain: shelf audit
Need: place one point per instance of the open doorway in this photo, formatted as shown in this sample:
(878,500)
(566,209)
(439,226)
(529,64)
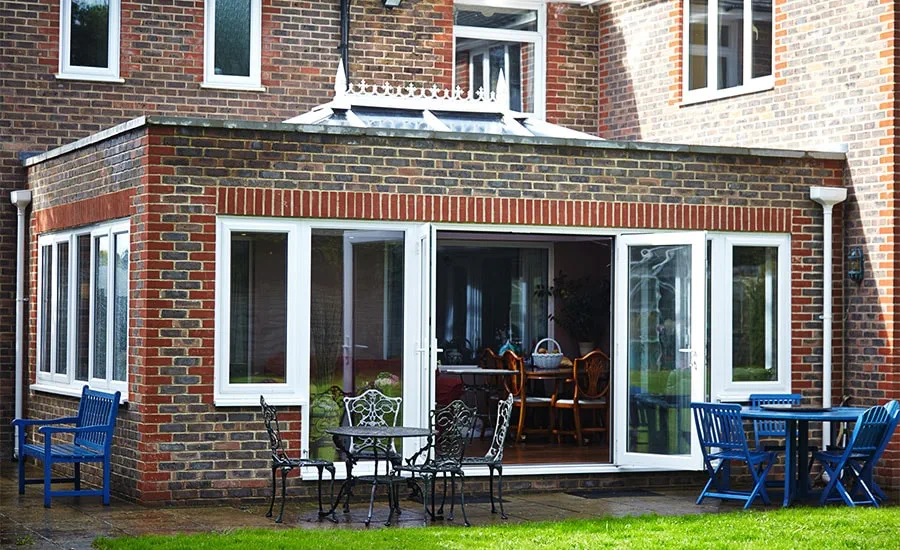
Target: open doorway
(545,299)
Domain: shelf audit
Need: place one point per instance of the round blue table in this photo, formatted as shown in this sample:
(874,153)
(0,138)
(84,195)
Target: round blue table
(796,437)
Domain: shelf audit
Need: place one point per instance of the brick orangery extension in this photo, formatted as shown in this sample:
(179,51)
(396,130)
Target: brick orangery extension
(174,444)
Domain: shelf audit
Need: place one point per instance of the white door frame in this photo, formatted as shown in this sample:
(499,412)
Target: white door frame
(697,241)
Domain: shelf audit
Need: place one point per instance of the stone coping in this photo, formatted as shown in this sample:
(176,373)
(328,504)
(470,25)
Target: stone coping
(645,146)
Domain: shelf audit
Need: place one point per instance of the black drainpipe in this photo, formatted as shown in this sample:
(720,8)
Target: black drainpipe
(345,37)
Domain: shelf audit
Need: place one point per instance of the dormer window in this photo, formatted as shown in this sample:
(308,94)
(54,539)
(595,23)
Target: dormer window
(89,40)
(494,37)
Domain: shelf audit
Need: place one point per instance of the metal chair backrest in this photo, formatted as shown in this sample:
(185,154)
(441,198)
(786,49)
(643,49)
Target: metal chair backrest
(720,426)
(868,434)
(591,375)
(97,409)
(516,382)
(276,444)
(451,426)
(771,428)
(372,408)
(504,411)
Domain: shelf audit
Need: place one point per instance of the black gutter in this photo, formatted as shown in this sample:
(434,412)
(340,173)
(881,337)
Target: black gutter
(344,47)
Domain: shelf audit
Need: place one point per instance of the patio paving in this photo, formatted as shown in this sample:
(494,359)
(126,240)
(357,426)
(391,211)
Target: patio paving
(75,523)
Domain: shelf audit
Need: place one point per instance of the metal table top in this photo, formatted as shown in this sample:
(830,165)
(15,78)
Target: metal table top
(379,431)
(473,370)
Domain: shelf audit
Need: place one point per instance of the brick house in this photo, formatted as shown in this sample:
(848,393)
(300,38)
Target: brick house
(255,256)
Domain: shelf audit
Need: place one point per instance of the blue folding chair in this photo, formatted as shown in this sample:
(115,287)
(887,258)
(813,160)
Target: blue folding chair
(722,437)
(893,411)
(857,459)
(771,428)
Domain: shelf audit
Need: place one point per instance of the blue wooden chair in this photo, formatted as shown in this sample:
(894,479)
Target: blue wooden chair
(92,442)
(771,428)
(856,460)
(893,411)
(722,437)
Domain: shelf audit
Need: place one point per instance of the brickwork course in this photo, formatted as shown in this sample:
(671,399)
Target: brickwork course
(835,64)
(613,70)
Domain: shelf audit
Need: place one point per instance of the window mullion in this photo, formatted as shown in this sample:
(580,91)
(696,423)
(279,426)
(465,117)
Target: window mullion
(72,312)
(110,305)
(712,46)
(748,42)
(92,278)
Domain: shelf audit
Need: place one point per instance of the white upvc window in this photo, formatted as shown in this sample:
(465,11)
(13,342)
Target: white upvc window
(739,36)
(82,314)
(750,315)
(89,40)
(257,309)
(509,36)
(233,45)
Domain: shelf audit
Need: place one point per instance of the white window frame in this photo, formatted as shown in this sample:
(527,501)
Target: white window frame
(253,82)
(537,38)
(711,91)
(67,384)
(292,391)
(722,386)
(67,71)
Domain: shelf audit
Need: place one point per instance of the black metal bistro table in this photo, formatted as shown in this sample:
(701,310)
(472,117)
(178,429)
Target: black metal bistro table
(796,449)
(370,432)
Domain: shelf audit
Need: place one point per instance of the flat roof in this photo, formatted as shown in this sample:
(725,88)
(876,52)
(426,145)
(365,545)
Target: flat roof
(644,146)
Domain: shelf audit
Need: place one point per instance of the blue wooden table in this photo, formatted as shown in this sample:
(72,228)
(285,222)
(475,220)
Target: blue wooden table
(796,436)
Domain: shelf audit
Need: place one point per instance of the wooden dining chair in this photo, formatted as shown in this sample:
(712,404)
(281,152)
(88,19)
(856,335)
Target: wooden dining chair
(516,386)
(590,378)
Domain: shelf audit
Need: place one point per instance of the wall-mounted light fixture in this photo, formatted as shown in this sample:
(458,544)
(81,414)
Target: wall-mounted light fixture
(855,264)
(391,4)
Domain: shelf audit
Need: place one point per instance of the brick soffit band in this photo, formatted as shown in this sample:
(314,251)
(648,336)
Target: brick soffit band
(243,201)
(179,122)
(84,212)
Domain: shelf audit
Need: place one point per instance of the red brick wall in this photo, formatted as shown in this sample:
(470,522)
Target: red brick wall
(188,448)
(835,69)
(162,65)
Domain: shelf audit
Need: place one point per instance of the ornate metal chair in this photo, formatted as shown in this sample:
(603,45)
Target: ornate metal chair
(443,454)
(493,459)
(590,377)
(281,461)
(370,408)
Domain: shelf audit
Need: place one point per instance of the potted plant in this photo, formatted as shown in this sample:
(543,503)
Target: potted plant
(580,305)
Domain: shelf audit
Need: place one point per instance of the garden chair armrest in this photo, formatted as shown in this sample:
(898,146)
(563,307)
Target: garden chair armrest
(50,430)
(24,422)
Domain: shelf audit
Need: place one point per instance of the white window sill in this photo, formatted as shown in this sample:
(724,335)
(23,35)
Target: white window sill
(232,87)
(90,78)
(68,391)
(253,400)
(761,84)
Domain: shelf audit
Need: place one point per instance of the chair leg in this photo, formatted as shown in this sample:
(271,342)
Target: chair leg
(830,487)
(759,485)
(284,474)
(319,489)
(462,499)
(578,436)
(272,501)
(106,471)
(21,472)
(330,469)
(47,480)
(349,487)
(371,503)
(500,490)
(77,471)
(521,424)
(491,487)
(452,494)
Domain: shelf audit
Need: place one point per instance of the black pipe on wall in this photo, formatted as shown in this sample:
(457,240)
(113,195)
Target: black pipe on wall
(344,47)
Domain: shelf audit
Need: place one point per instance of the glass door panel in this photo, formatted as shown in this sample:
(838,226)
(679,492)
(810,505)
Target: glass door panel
(660,334)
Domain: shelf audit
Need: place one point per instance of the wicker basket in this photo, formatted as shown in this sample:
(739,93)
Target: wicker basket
(546,360)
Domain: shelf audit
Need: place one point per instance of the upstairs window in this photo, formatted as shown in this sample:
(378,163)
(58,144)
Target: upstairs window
(89,40)
(233,44)
(738,35)
(493,37)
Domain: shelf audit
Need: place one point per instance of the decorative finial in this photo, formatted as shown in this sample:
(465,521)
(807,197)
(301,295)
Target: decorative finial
(340,80)
(502,96)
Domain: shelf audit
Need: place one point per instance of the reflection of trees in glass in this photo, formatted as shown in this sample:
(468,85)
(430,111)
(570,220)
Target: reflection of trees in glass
(754,342)
(101,288)
(90,33)
(120,328)
(326,307)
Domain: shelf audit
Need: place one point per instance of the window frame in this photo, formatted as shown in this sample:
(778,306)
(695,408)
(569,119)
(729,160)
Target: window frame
(68,384)
(67,71)
(538,38)
(722,386)
(253,82)
(711,92)
(291,392)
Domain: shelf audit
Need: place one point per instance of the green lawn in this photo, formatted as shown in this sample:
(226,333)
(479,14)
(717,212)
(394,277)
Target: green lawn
(819,528)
